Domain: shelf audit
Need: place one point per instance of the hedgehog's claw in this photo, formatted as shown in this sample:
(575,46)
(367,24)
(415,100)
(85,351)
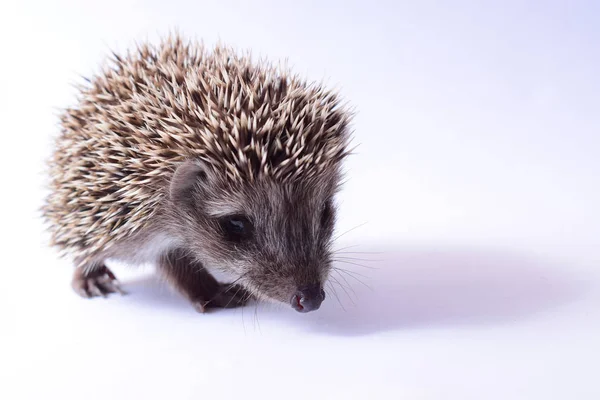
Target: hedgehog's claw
(200,306)
(99,282)
(93,288)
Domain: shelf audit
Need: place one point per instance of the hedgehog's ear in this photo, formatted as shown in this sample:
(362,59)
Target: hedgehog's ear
(186,176)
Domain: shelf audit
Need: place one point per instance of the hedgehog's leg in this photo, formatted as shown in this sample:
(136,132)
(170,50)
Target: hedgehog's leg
(191,279)
(95,280)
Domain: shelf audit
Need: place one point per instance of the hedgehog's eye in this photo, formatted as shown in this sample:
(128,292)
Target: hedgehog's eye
(236,228)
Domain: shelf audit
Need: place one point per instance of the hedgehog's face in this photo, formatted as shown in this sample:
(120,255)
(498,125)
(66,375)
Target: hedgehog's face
(275,238)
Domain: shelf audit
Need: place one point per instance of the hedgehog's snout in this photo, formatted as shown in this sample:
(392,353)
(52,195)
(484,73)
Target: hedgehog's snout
(308,298)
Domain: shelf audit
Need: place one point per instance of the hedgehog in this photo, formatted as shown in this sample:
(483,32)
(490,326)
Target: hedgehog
(203,162)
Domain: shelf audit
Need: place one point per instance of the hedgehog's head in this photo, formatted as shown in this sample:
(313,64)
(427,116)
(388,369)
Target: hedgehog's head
(273,235)
(257,199)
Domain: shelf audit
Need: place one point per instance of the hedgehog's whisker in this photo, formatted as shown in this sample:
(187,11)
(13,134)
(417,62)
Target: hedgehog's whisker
(349,271)
(357,259)
(348,284)
(353,275)
(356,252)
(348,231)
(233,297)
(346,261)
(226,289)
(344,248)
(334,292)
(334,279)
(256,319)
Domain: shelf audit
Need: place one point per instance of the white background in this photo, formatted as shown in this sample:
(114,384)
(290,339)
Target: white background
(477,177)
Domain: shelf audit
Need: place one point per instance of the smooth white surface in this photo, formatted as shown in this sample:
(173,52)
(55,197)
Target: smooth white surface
(477,175)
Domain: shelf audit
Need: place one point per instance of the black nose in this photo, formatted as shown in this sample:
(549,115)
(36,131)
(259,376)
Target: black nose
(308,298)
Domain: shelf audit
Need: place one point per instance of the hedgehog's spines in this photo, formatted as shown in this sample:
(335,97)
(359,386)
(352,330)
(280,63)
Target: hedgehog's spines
(151,108)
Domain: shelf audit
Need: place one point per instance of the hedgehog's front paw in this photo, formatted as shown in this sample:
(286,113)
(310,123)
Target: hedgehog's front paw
(97,282)
(228,296)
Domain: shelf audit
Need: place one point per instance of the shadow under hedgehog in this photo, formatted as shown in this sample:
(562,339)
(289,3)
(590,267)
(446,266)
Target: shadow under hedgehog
(200,161)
